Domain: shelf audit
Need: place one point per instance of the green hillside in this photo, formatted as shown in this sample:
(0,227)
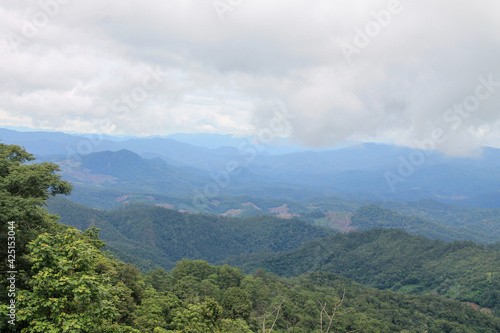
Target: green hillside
(362,309)
(373,216)
(125,171)
(393,259)
(483,221)
(64,282)
(164,236)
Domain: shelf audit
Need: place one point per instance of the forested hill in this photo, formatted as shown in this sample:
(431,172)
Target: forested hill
(355,172)
(126,171)
(483,230)
(164,236)
(393,259)
(64,282)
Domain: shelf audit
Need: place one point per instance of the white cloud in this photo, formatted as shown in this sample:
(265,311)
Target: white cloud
(224,76)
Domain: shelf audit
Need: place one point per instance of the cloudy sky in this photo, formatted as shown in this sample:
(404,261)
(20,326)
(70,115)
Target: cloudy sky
(416,73)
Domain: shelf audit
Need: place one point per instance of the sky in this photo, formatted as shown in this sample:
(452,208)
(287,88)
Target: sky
(423,74)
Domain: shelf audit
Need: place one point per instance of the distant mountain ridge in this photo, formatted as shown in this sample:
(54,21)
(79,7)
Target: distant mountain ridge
(126,172)
(123,164)
(356,172)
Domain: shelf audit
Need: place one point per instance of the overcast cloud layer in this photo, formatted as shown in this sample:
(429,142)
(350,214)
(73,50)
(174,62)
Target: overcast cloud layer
(417,73)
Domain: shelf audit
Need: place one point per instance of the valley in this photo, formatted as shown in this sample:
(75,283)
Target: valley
(285,233)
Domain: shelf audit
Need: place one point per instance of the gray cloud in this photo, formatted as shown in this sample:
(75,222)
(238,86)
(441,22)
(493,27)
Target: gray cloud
(224,76)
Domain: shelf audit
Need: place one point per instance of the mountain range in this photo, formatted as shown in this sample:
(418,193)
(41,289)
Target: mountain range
(311,219)
(361,172)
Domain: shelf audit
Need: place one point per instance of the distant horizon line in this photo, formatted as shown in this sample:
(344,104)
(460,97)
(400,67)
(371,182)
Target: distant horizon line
(25,129)
(349,144)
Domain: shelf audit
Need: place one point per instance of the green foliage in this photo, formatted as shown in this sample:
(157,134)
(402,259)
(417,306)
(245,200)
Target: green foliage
(205,317)
(164,236)
(24,188)
(66,293)
(159,279)
(69,285)
(156,311)
(366,309)
(236,303)
(373,216)
(228,276)
(481,225)
(201,318)
(393,259)
(197,269)
(95,293)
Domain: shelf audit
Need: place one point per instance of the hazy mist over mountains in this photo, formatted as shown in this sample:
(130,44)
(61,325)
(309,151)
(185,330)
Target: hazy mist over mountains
(363,171)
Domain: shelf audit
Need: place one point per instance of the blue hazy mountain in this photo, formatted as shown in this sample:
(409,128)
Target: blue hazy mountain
(278,146)
(365,171)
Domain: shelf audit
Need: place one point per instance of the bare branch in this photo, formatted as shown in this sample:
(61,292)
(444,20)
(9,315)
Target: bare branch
(324,310)
(321,317)
(275,319)
(341,301)
(275,309)
(264,320)
(334,313)
(354,308)
(330,324)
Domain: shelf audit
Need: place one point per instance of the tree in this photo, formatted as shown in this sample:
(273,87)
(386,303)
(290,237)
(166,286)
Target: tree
(206,318)
(228,276)
(156,311)
(236,303)
(257,291)
(199,269)
(159,279)
(66,293)
(24,189)
(199,318)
